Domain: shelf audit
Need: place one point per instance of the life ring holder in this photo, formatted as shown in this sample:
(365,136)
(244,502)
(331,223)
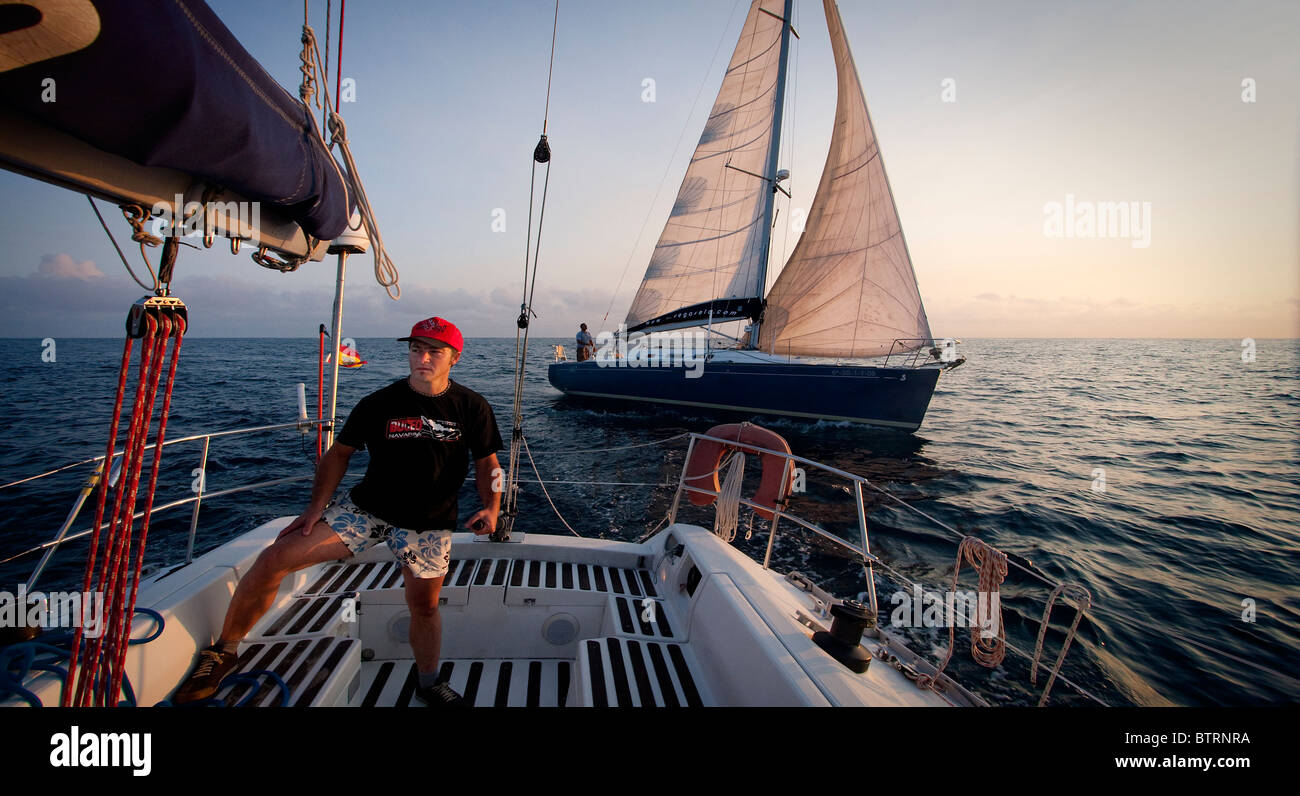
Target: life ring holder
(706,459)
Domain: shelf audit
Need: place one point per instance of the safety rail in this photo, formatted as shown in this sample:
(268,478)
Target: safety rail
(863,552)
(778,511)
(92,482)
(917,351)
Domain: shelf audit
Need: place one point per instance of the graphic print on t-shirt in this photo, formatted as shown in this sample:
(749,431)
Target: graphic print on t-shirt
(416,427)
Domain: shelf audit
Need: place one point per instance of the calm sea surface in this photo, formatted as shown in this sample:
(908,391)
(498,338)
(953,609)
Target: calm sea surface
(1197,452)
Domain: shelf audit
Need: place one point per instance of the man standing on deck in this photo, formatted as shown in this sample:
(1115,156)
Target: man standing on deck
(420,431)
(586,345)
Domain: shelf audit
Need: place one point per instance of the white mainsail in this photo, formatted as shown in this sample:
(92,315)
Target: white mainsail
(848,289)
(714,242)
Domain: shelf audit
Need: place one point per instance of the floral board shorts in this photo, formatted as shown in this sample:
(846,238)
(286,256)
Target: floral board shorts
(427,553)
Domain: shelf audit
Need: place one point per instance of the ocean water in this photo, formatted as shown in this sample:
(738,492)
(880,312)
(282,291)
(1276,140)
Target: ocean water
(1160,475)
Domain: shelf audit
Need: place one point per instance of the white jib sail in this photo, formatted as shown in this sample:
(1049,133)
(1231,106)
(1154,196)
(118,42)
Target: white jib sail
(849,289)
(713,241)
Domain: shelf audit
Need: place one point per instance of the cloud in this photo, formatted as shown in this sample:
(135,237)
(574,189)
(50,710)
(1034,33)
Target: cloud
(63,266)
(86,303)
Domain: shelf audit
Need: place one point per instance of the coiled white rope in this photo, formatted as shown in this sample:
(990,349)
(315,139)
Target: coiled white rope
(385,271)
(727,517)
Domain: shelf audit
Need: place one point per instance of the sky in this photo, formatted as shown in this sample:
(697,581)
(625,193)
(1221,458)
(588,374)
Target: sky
(996,121)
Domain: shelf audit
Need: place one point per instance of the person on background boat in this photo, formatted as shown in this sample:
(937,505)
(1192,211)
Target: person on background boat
(421,431)
(586,345)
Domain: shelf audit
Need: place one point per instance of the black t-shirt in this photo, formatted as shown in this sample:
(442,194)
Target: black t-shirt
(419,451)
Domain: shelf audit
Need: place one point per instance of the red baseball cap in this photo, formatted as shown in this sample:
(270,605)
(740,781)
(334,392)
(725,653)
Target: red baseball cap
(439,330)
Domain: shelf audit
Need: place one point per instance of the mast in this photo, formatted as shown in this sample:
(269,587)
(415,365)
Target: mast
(849,288)
(773,153)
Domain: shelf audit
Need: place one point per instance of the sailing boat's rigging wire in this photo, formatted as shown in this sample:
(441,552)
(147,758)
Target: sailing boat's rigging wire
(663,441)
(541,155)
(109,232)
(550,70)
(542,484)
(669,165)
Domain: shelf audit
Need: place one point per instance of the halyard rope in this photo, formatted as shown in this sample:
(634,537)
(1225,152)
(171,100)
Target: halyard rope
(727,516)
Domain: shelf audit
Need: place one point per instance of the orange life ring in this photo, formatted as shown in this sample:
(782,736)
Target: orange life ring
(702,468)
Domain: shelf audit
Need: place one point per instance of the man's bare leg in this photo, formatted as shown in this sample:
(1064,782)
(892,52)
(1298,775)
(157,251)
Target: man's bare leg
(426,623)
(253,596)
(257,589)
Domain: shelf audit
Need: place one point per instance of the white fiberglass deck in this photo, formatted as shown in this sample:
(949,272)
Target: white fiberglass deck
(681,620)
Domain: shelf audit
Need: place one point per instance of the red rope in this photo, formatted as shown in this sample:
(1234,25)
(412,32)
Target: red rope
(117,586)
(66,698)
(116,574)
(124,637)
(113,550)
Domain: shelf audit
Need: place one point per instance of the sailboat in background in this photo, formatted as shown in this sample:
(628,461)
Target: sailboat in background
(847,301)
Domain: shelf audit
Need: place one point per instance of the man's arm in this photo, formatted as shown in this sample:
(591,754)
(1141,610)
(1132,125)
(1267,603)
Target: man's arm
(490,481)
(329,472)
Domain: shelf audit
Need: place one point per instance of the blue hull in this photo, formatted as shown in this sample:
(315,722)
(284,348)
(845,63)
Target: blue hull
(879,396)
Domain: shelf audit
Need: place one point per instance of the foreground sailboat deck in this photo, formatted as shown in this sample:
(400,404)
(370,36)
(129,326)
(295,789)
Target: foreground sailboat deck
(682,618)
(679,620)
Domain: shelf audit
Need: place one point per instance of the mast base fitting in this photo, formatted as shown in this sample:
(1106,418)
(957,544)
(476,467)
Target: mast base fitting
(155,306)
(842,642)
